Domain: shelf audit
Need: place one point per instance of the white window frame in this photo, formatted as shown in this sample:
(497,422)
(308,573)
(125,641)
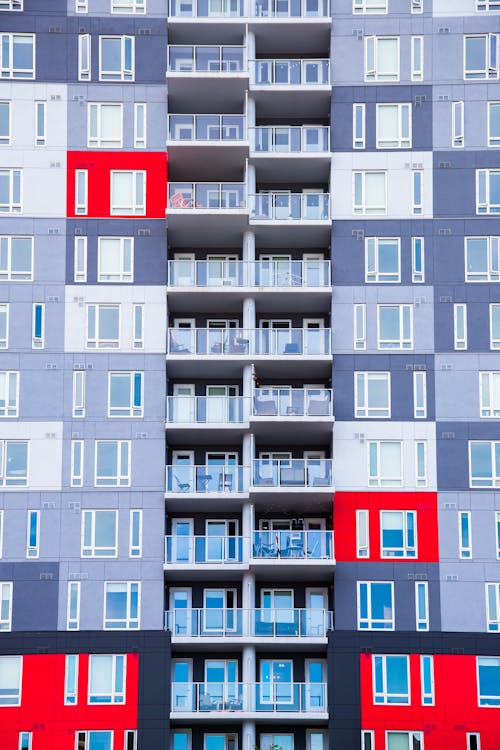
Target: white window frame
(135,525)
(96,342)
(98,141)
(465,549)
(377,480)
(361,209)
(123,276)
(476,735)
(358,138)
(70,691)
(367,739)
(81,6)
(133,410)
(38,338)
(7,70)
(457,125)
(40,119)
(5,139)
(483,204)
(427,696)
(121,479)
(79,378)
(25,740)
(81,192)
(8,274)
(401,142)
(92,551)
(417,192)
(13,206)
(131,623)
(369,7)
(138,326)
(77,463)
(384,697)
(133,734)
(421,459)
(460,326)
(492,591)
(494,342)
(497,533)
(114,697)
(492,273)
(417,246)
(411,734)
(401,343)
(417,6)
(83,736)
(4,342)
(11,382)
(124,74)
(359,323)
(6,592)
(80,260)
(420,394)
(73,619)
(137,208)
(11,5)
(84,57)
(372,245)
(372,74)
(422,618)
(140,123)
(494,481)
(362,535)
(417,71)
(6,700)
(137,7)
(408,551)
(495,699)
(33,550)
(493,141)
(488,6)
(490,71)
(2,518)
(362,379)
(19,481)
(370,620)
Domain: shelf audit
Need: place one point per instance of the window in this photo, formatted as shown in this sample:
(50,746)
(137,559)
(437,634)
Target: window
(393,125)
(125,394)
(373,395)
(121,605)
(138,313)
(76,463)
(404,741)
(9,394)
(81,191)
(385,465)
(382,58)
(16,258)
(99,533)
(420,395)
(487,191)
(417,6)
(104,125)
(395,326)
(17,56)
(398,532)
(38,339)
(79,393)
(382,259)
(417,260)
(25,739)
(494,326)
(130,739)
(417,58)
(460,326)
(360,326)
(180,739)
(391,682)
(473,741)
(107,678)
(40,123)
(135,546)
(116,58)
(11,668)
(4,326)
(480,56)
(370,193)
(369,6)
(81,6)
(427,680)
(73,611)
(275,741)
(488,673)
(128,6)
(140,125)
(80,260)
(1,532)
(482,258)
(103,327)
(484,462)
(367,739)
(95,740)
(11,4)
(358,125)
(5,609)
(464,534)
(457,124)
(417,181)
(421,463)
(33,534)
(362,533)
(488,5)
(71,680)
(375,605)
(115,259)
(4,123)
(421,605)
(497,518)
(84,56)
(220,742)
(112,463)
(493,607)
(128,193)
(13,463)
(10,191)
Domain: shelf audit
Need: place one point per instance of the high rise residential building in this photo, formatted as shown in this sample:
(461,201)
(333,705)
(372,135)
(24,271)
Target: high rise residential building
(249,410)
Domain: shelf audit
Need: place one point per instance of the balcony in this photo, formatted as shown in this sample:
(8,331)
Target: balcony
(215,209)
(211,60)
(258,342)
(292,475)
(292,402)
(309,545)
(224,699)
(207,480)
(227,134)
(302,73)
(205,624)
(203,550)
(243,9)
(205,411)
(282,87)
(286,150)
(306,207)
(208,64)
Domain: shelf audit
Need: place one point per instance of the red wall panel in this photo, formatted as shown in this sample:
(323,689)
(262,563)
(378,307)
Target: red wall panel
(445,724)
(346,504)
(99,165)
(42,710)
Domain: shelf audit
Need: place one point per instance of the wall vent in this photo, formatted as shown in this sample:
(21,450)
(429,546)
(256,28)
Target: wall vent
(443,98)
(421,577)
(458,650)
(50,435)
(52,298)
(358,233)
(447,366)
(143,232)
(55,97)
(444,164)
(48,505)
(359,436)
(53,230)
(444,232)
(82,30)
(55,30)
(417,165)
(420,367)
(447,436)
(445,298)
(420,300)
(451,578)
(144,32)
(78,366)
(46,576)
(50,366)
(74,576)
(141,435)
(74,506)
(410,368)
(444,29)
(76,434)
(78,230)
(90,366)
(450,506)
(78,299)
(55,164)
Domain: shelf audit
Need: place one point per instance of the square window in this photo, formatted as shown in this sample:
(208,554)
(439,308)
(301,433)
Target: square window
(393,125)
(395,326)
(11,191)
(373,395)
(404,741)
(9,394)
(16,258)
(128,193)
(385,463)
(95,740)
(99,533)
(17,56)
(112,463)
(125,394)
(115,259)
(370,193)
(391,683)
(121,605)
(398,531)
(105,125)
(488,672)
(480,56)
(375,605)
(116,58)
(13,463)
(487,191)
(11,668)
(382,58)
(103,327)
(482,258)
(107,678)
(382,259)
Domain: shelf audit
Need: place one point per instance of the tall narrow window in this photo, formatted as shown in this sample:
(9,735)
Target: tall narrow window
(362,533)
(38,325)
(358,126)
(367,739)
(33,534)
(130,739)
(81,6)
(84,57)
(427,680)
(421,605)
(421,463)
(4,326)
(1,533)
(77,463)
(79,393)
(460,325)
(417,260)
(9,394)
(80,264)
(420,395)
(135,549)
(417,6)
(5,607)
(360,326)
(81,191)
(71,680)
(473,741)
(457,124)
(464,534)
(493,607)
(73,611)
(40,123)
(493,123)
(417,191)
(417,58)
(25,740)
(497,526)
(138,312)
(5,125)
(140,125)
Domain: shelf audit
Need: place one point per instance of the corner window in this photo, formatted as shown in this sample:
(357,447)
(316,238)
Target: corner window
(11,191)
(17,56)
(5,123)
(493,607)
(398,531)
(375,605)
(99,533)
(10,680)
(373,395)
(370,193)
(382,58)
(488,674)
(125,394)
(482,258)
(107,678)
(484,463)
(104,125)
(116,58)
(393,125)
(128,193)
(13,463)
(9,394)
(121,605)
(115,259)
(385,463)
(5,608)
(16,258)
(395,326)
(404,741)
(103,327)
(112,463)
(480,56)
(391,683)
(382,260)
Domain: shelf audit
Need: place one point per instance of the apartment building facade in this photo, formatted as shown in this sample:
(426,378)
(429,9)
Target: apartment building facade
(249,414)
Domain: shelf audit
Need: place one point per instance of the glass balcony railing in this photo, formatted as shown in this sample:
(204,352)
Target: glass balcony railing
(215,59)
(259,342)
(206,409)
(297,545)
(287,206)
(211,550)
(262,623)
(299,72)
(210,478)
(274,697)
(249,8)
(208,196)
(292,402)
(278,273)
(192,128)
(290,139)
(292,472)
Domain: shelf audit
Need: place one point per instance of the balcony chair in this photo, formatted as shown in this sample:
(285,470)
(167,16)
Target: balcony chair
(293,476)
(291,348)
(265,407)
(226,482)
(318,407)
(206,703)
(182,486)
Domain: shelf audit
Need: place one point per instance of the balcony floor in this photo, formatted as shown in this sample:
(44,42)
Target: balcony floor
(301,299)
